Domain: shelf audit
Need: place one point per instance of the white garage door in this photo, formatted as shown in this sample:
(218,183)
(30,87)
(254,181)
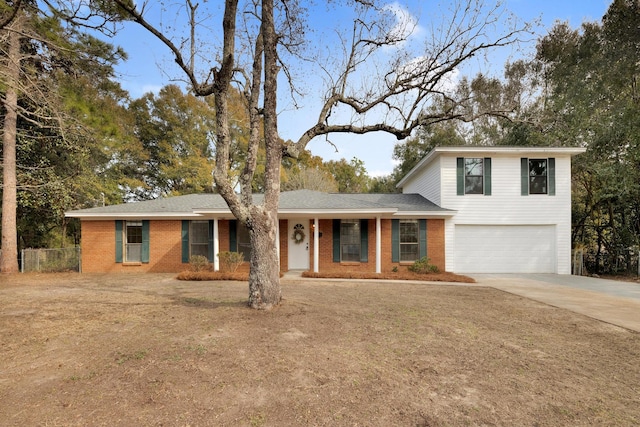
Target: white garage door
(505,249)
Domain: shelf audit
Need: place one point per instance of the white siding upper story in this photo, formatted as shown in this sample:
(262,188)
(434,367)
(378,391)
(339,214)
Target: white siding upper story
(435,178)
(427,183)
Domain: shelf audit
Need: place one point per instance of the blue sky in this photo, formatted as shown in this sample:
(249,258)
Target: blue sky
(150,67)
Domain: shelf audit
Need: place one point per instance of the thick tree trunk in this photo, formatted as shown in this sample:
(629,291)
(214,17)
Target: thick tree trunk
(264,274)
(264,278)
(9,259)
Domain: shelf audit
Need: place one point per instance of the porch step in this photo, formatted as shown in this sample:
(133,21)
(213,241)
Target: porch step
(293,273)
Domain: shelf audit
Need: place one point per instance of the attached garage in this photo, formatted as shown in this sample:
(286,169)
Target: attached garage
(505,249)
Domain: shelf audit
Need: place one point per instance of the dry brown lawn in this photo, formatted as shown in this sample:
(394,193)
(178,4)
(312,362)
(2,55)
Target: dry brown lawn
(142,350)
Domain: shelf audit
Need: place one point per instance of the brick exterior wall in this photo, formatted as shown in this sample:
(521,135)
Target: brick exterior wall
(435,242)
(165,248)
(223,235)
(284,245)
(435,248)
(99,248)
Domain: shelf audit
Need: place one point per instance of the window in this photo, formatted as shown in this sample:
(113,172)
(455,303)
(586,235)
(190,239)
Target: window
(199,238)
(244,242)
(537,176)
(473,174)
(133,241)
(409,249)
(408,239)
(239,240)
(350,240)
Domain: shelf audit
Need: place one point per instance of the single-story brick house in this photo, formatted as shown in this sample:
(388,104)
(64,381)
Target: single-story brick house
(469,209)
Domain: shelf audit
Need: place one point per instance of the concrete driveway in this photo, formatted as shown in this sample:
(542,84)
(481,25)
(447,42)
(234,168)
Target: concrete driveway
(610,301)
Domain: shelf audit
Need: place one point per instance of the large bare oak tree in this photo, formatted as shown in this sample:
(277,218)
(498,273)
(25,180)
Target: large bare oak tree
(255,39)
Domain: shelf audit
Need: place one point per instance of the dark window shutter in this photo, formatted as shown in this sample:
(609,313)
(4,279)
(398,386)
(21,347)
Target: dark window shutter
(119,246)
(460,176)
(144,251)
(364,240)
(551,176)
(336,240)
(422,237)
(487,176)
(395,240)
(233,235)
(185,241)
(210,241)
(524,176)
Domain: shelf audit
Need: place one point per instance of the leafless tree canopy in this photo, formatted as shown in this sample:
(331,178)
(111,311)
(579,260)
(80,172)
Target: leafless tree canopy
(375,80)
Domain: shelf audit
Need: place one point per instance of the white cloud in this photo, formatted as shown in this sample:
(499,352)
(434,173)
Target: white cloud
(406,24)
(421,70)
(379,173)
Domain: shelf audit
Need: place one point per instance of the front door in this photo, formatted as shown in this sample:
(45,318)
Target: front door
(298,237)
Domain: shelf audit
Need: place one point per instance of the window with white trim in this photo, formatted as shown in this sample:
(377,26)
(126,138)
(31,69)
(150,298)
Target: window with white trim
(199,238)
(244,242)
(133,241)
(409,240)
(350,240)
(538,176)
(473,175)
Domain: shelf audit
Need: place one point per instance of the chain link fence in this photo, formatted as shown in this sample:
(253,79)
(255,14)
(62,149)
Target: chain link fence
(50,260)
(622,262)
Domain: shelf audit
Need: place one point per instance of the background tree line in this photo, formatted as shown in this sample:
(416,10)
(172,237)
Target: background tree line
(580,89)
(82,141)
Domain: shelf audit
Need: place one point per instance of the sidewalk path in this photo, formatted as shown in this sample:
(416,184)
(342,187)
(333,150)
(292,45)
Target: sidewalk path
(610,301)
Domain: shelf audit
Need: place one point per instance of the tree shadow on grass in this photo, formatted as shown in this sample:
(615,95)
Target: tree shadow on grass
(201,302)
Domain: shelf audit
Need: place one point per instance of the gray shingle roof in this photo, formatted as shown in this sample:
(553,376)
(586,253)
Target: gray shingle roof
(302,201)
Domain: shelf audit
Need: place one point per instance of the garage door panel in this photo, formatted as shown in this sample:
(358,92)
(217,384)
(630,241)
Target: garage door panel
(505,249)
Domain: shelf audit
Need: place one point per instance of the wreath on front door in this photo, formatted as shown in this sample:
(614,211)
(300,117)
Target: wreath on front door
(298,234)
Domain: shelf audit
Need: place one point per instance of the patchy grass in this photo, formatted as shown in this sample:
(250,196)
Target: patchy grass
(149,350)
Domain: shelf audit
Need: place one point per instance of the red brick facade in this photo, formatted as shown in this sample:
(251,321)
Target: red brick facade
(435,248)
(99,248)
(165,250)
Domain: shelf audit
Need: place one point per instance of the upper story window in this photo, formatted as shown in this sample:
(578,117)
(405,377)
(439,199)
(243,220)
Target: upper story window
(473,175)
(538,176)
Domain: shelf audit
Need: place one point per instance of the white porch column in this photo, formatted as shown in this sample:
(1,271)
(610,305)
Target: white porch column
(378,246)
(278,243)
(316,245)
(216,246)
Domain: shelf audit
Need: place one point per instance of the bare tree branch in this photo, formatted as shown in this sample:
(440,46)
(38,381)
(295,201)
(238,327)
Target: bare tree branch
(397,103)
(9,13)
